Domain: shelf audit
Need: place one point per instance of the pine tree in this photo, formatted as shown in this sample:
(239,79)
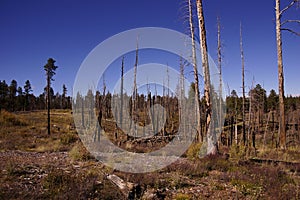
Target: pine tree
(50,72)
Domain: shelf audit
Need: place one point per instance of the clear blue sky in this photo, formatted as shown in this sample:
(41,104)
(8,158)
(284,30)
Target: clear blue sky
(32,31)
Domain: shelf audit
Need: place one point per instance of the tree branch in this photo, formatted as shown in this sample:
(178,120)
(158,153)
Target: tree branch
(290,21)
(288,7)
(290,30)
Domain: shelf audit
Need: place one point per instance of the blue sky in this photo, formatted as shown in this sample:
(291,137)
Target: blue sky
(32,31)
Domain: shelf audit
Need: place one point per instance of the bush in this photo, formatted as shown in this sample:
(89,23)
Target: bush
(68,138)
(193,151)
(79,153)
(181,196)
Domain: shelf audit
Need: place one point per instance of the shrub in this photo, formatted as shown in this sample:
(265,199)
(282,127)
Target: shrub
(68,138)
(181,196)
(79,153)
(193,151)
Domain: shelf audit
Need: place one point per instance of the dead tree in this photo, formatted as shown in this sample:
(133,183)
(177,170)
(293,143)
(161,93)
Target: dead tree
(243,85)
(195,67)
(135,94)
(220,76)
(278,13)
(212,147)
(121,93)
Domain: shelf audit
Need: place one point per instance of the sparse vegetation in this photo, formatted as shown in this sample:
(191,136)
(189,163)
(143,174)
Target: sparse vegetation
(60,167)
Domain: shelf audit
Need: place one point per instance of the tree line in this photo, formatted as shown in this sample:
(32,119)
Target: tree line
(14,97)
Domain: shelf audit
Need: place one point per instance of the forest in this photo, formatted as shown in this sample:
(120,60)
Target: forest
(242,145)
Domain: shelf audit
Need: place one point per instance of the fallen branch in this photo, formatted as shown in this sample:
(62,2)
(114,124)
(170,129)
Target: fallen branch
(130,190)
(272,161)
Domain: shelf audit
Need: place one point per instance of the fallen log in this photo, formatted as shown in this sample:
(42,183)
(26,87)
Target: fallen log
(272,161)
(130,190)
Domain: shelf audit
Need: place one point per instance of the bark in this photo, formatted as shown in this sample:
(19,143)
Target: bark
(48,102)
(197,93)
(220,77)
(211,137)
(282,130)
(122,85)
(135,94)
(243,85)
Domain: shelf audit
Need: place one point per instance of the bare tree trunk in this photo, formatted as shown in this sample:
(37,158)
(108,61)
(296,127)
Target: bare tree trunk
(182,97)
(243,85)
(220,76)
(48,103)
(282,131)
(197,93)
(122,87)
(266,129)
(135,94)
(212,147)
(82,112)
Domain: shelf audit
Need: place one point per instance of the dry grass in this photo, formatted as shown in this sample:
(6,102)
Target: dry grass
(212,177)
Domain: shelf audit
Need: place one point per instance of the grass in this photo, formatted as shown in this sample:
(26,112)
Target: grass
(189,178)
(79,153)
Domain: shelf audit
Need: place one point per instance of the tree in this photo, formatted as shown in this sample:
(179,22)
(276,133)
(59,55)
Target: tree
(220,76)
(12,94)
(211,137)
(243,84)
(27,91)
(195,67)
(278,14)
(121,93)
(50,72)
(272,100)
(3,94)
(64,96)
(20,99)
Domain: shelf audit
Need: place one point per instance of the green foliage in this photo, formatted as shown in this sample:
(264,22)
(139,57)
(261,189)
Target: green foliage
(247,188)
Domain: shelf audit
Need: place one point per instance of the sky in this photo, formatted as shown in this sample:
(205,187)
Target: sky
(33,31)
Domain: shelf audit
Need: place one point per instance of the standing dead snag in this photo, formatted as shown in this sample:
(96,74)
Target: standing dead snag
(135,93)
(278,13)
(197,93)
(220,76)
(211,136)
(122,88)
(243,85)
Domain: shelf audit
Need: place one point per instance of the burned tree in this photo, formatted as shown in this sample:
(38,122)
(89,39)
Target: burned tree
(212,147)
(279,24)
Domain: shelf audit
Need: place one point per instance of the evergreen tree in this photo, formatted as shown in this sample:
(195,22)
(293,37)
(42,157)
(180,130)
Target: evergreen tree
(27,91)
(12,94)
(50,72)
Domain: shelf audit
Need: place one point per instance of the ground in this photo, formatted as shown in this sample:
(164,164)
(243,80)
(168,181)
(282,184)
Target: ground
(34,165)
